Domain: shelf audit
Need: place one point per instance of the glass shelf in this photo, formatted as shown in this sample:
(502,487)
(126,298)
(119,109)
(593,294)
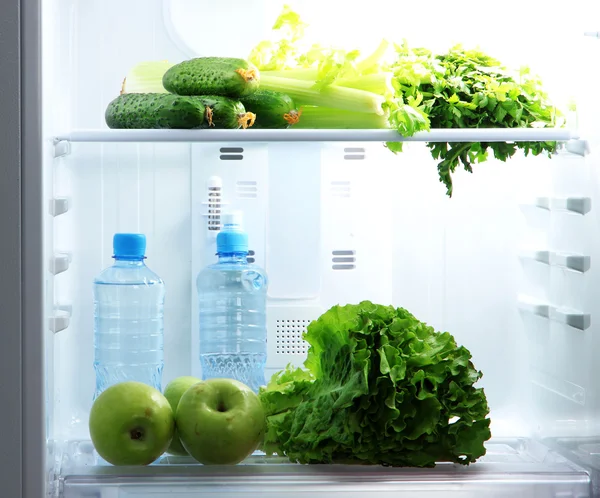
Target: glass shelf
(583,451)
(511,468)
(291,135)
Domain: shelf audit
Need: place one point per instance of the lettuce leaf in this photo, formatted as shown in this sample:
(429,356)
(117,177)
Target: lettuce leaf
(379,387)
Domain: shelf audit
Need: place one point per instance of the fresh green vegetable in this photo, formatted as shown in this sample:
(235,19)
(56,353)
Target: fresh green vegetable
(223,112)
(269,55)
(380,387)
(146,77)
(213,76)
(312,117)
(458,89)
(272,109)
(469,89)
(380,83)
(304,93)
(330,77)
(155,110)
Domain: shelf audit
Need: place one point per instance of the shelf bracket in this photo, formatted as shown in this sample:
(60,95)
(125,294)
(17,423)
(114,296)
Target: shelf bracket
(578,147)
(579,205)
(59,263)
(58,206)
(61,319)
(566,316)
(61,148)
(575,262)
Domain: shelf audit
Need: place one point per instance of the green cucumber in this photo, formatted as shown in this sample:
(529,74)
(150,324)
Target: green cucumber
(225,76)
(223,112)
(155,110)
(272,109)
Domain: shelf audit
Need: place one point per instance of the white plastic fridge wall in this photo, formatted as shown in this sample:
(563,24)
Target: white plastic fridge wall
(507,265)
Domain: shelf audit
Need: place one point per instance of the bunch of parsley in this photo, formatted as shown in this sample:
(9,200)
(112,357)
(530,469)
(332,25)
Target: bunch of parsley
(469,89)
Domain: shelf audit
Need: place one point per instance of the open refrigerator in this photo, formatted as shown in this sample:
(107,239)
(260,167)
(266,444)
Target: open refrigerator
(507,265)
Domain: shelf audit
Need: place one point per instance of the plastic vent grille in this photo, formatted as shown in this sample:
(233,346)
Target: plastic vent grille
(214,208)
(246,189)
(231,153)
(343,259)
(288,336)
(354,153)
(341,189)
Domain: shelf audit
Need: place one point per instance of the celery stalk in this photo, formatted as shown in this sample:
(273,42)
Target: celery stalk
(380,83)
(146,77)
(327,118)
(337,97)
(374,59)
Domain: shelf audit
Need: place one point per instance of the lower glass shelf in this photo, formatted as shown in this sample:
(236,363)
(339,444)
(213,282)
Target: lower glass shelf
(584,452)
(511,468)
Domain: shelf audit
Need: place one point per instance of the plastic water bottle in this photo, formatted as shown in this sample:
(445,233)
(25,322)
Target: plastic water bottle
(232,295)
(128,318)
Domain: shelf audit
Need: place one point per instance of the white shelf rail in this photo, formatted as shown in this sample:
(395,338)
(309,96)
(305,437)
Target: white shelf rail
(291,135)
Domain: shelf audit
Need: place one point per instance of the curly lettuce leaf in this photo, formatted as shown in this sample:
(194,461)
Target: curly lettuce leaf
(380,387)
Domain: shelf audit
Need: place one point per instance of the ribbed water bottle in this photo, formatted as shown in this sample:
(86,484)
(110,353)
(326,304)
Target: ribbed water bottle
(232,295)
(128,317)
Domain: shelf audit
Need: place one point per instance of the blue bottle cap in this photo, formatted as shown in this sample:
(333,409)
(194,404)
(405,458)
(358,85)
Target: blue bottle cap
(231,238)
(129,245)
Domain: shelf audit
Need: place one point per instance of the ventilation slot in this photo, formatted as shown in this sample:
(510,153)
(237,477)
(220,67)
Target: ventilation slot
(289,336)
(343,260)
(354,153)
(214,208)
(251,258)
(231,153)
(246,190)
(340,189)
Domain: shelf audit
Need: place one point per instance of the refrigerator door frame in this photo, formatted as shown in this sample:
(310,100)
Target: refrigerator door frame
(11,457)
(32,253)
(21,252)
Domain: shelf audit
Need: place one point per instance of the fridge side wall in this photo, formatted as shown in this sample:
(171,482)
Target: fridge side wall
(10,252)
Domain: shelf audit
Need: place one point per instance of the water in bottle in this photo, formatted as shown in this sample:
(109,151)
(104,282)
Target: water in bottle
(128,318)
(232,297)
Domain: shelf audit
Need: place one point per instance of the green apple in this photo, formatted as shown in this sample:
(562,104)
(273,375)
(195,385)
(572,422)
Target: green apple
(131,424)
(173,393)
(220,421)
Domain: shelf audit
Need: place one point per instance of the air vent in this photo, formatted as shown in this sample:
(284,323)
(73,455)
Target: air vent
(251,258)
(354,153)
(246,189)
(343,260)
(288,336)
(214,208)
(340,189)
(231,153)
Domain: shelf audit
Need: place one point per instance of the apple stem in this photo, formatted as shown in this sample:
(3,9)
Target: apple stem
(221,407)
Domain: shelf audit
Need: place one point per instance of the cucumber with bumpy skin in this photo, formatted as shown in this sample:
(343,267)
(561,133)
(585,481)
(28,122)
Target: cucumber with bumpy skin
(272,109)
(224,76)
(223,112)
(155,111)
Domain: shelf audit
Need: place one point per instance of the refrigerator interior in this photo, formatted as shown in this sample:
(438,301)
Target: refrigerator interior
(506,265)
